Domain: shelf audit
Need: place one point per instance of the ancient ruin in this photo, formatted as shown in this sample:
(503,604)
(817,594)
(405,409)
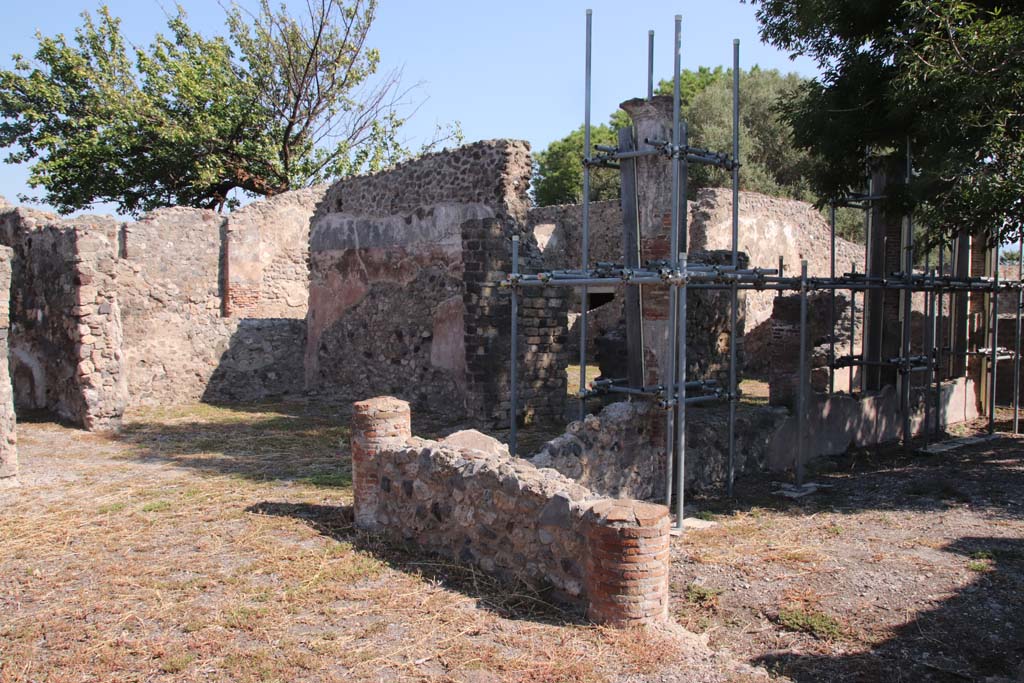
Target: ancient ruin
(436,284)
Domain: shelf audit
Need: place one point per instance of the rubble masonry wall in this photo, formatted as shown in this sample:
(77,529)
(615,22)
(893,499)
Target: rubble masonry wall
(65,324)
(472,501)
(404,266)
(8,426)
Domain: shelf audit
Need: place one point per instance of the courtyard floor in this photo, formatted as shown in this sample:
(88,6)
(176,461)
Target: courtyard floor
(216,544)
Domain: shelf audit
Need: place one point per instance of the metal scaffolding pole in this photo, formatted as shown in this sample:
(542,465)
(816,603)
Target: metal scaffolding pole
(832,311)
(939,343)
(681,400)
(650,64)
(514,342)
(908,310)
(669,371)
(734,308)
(994,362)
(803,380)
(585,250)
(1016,337)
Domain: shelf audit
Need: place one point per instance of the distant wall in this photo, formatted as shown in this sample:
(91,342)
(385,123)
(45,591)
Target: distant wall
(8,427)
(267,256)
(179,345)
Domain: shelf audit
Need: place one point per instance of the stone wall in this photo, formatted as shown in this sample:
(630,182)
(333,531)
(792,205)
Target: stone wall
(179,345)
(8,427)
(403,294)
(770,227)
(467,498)
(620,452)
(267,256)
(65,330)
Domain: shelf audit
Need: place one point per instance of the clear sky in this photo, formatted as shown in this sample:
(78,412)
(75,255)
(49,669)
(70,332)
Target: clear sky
(502,69)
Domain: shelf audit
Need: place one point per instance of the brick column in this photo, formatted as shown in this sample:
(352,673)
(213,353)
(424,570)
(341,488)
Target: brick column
(627,564)
(377,423)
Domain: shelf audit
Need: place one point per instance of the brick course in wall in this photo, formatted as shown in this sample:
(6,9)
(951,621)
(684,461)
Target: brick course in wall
(467,498)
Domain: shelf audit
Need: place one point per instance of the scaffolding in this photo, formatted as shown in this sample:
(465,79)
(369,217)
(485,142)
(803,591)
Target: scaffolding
(679,275)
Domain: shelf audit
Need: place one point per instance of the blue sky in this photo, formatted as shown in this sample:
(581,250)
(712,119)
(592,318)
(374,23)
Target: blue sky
(501,69)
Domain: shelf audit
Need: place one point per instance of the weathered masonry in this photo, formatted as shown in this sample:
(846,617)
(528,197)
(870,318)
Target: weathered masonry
(106,315)
(403,297)
(466,497)
(8,427)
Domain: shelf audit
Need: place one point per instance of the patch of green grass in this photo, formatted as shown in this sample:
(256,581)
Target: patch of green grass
(982,555)
(157,506)
(834,530)
(980,565)
(331,479)
(817,624)
(702,596)
(706,516)
(113,507)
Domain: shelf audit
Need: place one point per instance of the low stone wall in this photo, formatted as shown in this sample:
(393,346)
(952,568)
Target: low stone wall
(467,498)
(8,427)
(620,452)
(839,422)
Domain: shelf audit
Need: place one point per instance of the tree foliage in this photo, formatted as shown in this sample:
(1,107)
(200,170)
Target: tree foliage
(946,75)
(281,102)
(772,164)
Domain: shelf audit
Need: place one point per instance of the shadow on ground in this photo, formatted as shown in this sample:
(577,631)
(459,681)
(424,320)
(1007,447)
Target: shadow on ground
(506,596)
(976,635)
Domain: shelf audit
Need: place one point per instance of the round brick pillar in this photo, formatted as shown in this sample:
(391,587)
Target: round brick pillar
(627,567)
(377,423)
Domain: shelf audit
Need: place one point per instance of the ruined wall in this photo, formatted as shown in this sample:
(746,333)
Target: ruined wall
(179,346)
(465,497)
(404,266)
(8,427)
(620,452)
(769,227)
(65,335)
(267,256)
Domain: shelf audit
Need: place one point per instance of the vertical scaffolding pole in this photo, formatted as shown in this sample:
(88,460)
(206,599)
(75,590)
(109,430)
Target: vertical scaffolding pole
(908,311)
(734,312)
(832,312)
(669,371)
(803,381)
(1016,337)
(939,343)
(681,401)
(853,327)
(514,372)
(650,65)
(585,251)
(994,364)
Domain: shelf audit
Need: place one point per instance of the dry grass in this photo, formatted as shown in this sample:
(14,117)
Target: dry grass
(215,544)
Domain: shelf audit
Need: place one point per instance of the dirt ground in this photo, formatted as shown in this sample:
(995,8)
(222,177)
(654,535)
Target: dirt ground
(216,544)
(907,568)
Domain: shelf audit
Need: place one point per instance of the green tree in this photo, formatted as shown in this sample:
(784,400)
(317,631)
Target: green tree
(772,164)
(948,75)
(281,102)
(558,170)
